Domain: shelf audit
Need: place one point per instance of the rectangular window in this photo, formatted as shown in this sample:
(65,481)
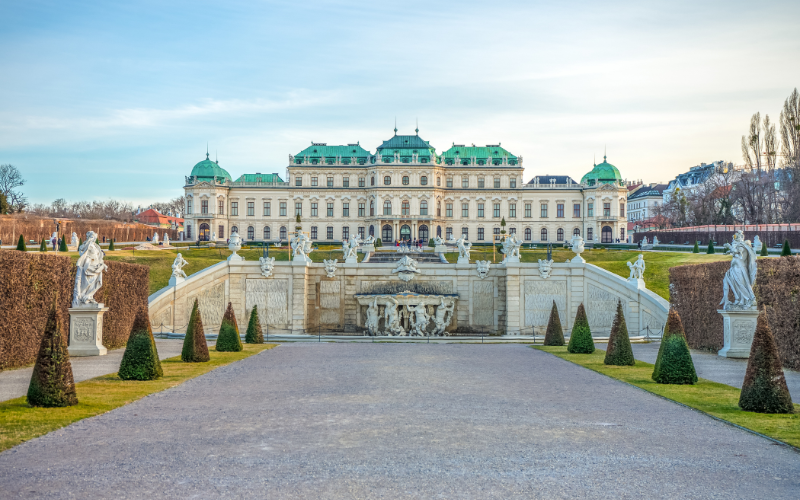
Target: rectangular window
(423,208)
(330,182)
(512,230)
(449,182)
(298,208)
(560,210)
(330,213)
(480,210)
(346,182)
(497,182)
(465,210)
(449,210)
(361,232)
(235,208)
(329,233)
(189,229)
(221,232)
(513,183)
(345,210)
(267,208)
(481,182)
(496,210)
(282,209)
(251,208)
(345,233)
(449,233)
(361,210)
(465,232)
(576,210)
(313,232)
(606,209)
(590,210)
(480,234)
(527,210)
(314,182)
(188,211)
(361,183)
(512,210)
(298,181)
(622,209)
(221,207)
(496,232)
(314,211)
(543,213)
(204,206)
(465,182)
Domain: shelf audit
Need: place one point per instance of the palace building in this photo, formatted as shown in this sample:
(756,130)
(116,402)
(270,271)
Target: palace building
(405,190)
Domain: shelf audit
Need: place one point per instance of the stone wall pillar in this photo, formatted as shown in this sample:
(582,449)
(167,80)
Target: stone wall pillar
(86,331)
(299,297)
(513,326)
(739,327)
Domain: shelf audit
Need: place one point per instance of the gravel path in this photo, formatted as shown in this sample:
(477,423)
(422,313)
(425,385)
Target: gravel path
(401,421)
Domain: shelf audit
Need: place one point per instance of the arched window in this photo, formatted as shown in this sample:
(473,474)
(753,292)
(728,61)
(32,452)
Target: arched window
(423,233)
(576,232)
(283,232)
(527,234)
(235,229)
(438,181)
(372,181)
(544,234)
(405,232)
(386,233)
(405,208)
(465,232)
(423,180)
(405,180)
(266,233)
(589,234)
(371,208)
(439,210)
(372,230)
(607,235)
(387,180)
(387,207)
(205,232)
(423,207)
(439,231)
(560,235)
(251,233)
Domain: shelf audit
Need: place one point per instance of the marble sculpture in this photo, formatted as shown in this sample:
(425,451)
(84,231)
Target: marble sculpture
(267,265)
(483,268)
(89,275)
(637,268)
(177,266)
(741,276)
(330,267)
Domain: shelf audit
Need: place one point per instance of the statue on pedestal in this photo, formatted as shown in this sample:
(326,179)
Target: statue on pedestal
(373,319)
(444,313)
(155,238)
(89,276)
(177,267)
(421,320)
(391,318)
(741,277)
(637,268)
(463,249)
(301,247)
(74,242)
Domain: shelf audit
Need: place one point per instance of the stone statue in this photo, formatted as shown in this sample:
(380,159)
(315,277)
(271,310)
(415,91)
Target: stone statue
(391,318)
(421,320)
(177,266)
(369,241)
(757,244)
(578,248)
(463,249)
(234,245)
(655,241)
(214,236)
(155,238)
(483,268)
(406,268)
(89,276)
(267,265)
(166,240)
(330,267)
(545,266)
(74,242)
(373,320)
(644,241)
(301,247)
(511,246)
(444,313)
(741,277)
(350,249)
(637,268)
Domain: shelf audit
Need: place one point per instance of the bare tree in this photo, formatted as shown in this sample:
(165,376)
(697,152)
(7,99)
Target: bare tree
(789,126)
(10,180)
(171,207)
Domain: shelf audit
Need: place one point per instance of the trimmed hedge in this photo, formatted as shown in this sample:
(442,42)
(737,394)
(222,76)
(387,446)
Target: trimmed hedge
(580,341)
(764,389)
(140,361)
(764,251)
(674,363)
(619,351)
(710,249)
(696,248)
(43,246)
(786,251)
(52,384)
(21,244)
(111,246)
(254,334)
(62,245)
(195,348)
(228,339)
(554,334)
(36,227)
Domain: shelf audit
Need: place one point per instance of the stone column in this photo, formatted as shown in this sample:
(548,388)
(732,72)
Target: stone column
(299,297)
(739,329)
(86,331)
(513,326)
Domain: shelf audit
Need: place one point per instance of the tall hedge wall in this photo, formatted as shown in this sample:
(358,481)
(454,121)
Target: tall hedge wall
(36,228)
(696,290)
(28,283)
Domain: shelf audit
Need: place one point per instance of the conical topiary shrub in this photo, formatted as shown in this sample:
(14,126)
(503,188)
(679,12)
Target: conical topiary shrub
(554,334)
(580,341)
(674,363)
(710,249)
(62,247)
(764,389)
(140,361)
(619,352)
(764,251)
(254,334)
(786,251)
(696,248)
(52,384)
(195,348)
(111,246)
(21,244)
(43,246)
(229,340)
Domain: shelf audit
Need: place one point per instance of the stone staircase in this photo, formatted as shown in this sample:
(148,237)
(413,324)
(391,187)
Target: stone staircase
(392,257)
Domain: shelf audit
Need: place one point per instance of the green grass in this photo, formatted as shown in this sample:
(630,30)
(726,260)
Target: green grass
(718,400)
(20,422)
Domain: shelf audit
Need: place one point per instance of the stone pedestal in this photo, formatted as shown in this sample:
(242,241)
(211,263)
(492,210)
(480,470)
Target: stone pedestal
(511,260)
(351,260)
(367,249)
(578,259)
(462,260)
(176,280)
(739,328)
(86,331)
(638,283)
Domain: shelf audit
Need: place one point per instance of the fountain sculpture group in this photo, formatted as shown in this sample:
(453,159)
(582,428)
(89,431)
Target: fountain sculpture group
(420,316)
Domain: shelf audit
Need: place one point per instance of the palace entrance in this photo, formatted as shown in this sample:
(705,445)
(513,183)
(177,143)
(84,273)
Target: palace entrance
(405,232)
(205,232)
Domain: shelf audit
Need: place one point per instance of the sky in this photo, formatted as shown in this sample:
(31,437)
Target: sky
(118,100)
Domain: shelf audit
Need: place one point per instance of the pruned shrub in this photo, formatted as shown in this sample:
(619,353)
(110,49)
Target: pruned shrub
(111,246)
(43,246)
(554,334)
(195,348)
(21,244)
(710,249)
(619,351)
(674,363)
(62,246)
(140,361)
(696,248)
(580,341)
(764,389)
(764,252)
(52,384)
(228,339)
(254,335)
(786,250)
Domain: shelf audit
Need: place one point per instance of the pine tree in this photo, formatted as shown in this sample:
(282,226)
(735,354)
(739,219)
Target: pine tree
(378,243)
(696,248)
(554,334)
(710,247)
(62,247)
(21,244)
(674,363)
(786,251)
(43,246)
(52,384)
(228,339)
(254,334)
(580,341)
(764,389)
(764,252)
(431,243)
(619,352)
(140,361)
(195,348)
(111,246)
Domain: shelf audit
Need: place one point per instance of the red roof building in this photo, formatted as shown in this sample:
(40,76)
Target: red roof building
(153,217)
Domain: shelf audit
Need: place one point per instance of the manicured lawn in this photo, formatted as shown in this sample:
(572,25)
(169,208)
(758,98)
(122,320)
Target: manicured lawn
(715,399)
(19,422)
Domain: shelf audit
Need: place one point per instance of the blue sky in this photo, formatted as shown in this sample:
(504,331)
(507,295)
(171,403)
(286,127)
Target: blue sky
(118,99)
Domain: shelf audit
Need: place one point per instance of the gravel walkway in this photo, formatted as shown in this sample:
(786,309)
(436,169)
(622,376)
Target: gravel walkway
(401,421)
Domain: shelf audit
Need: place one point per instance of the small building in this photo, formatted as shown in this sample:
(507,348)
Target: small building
(644,202)
(153,217)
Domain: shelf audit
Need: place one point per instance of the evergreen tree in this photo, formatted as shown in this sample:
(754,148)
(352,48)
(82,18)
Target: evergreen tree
(619,352)
(228,339)
(786,251)
(111,246)
(378,243)
(554,334)
(431,243)
(254,334)
(764,252)
(710,247)
(43,246)
(696,248)
(140,361)
(21,244)
(195,348)
(674,363)
(764,389)
(52,384)
(62,247)
(580,341)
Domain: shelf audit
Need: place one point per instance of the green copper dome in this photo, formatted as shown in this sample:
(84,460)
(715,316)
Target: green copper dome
(206,170)
(604,173)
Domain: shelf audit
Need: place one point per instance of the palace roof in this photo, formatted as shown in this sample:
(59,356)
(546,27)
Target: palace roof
(483,154)
(603,173)
(318,150)
(258,177)
(207,170)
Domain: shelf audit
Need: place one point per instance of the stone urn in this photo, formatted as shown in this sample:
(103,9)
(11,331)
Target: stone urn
(234,246)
